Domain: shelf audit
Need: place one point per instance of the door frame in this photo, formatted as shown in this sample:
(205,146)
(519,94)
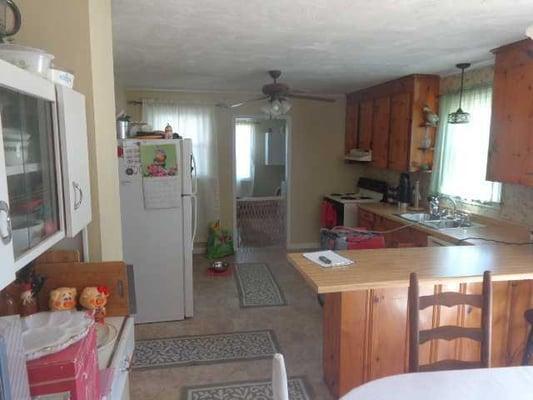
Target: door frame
(288,153)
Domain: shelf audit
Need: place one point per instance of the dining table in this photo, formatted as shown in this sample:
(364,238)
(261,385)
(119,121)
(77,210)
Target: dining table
(505,383)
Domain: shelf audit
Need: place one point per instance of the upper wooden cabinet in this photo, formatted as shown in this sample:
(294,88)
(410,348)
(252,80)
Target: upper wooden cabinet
(511,144)
(389,120)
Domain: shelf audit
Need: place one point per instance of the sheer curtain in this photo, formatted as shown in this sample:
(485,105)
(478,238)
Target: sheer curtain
(461,150)
(244,157)
(197,123)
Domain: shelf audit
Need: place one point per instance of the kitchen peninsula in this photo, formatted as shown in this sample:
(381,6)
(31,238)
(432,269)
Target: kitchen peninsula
(365,311)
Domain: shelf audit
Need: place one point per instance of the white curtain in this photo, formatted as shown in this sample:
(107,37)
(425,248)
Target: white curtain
(461,149)
(245,157)
(197,123)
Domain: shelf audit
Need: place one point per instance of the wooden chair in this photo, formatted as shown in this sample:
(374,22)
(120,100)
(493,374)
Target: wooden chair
(449,299)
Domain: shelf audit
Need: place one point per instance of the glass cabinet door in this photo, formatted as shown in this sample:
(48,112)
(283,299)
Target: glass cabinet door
(27,132)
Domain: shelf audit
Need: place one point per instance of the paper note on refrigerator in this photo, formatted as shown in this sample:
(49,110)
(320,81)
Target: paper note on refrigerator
(161,192)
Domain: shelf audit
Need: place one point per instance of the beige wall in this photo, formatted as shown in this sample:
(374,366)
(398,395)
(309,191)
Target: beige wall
(78,33)
(316,167)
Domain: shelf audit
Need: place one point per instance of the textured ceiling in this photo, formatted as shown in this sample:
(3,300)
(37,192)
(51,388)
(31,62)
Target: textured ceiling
(327,46)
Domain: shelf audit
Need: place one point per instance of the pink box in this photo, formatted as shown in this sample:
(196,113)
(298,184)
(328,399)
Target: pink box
(73,370)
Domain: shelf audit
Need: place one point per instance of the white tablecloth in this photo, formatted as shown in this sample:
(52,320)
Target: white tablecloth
(512,383)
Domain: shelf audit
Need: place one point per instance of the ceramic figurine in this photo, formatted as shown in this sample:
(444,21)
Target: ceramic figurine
(62,299)
(168,131)
(30,284)
(95,298)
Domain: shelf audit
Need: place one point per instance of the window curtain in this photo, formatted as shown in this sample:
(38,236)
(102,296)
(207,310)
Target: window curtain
(195,122)
(461,149)
(245,133)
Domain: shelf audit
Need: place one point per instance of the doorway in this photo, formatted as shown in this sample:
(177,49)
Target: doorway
(261,185)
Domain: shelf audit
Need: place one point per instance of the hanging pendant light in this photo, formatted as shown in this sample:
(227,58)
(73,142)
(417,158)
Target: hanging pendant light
(460,116)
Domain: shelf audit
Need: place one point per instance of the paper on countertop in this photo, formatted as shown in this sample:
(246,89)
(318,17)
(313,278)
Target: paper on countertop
(336,260)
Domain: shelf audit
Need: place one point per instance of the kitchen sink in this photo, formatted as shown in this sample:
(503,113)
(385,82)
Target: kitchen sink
(444,223)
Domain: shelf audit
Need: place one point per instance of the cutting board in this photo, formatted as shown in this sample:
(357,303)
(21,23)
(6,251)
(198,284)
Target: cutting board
(117,276)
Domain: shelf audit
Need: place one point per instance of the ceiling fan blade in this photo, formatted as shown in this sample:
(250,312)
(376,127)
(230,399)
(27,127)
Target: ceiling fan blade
(310,97)
(248,101)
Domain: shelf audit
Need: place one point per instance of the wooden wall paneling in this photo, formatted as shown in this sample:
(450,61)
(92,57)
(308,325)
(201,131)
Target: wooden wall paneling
(471,318)
(501,310)
(443,349)
(400,126)
(388,339)
(366,109)
(380,132)
(331,322)
(521,299)
(352,122)
(354,360)
(510,151)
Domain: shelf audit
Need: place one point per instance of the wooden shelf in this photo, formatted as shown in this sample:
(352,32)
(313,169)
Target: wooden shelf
(22,169)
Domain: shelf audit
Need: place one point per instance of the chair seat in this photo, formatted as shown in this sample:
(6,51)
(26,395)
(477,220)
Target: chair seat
(528,315)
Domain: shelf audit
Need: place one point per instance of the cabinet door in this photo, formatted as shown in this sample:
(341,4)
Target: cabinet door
(74,159)
(365,124)
(400,121)
(32,175)
(510,153)
(7,271)
(352,119)
(380,132)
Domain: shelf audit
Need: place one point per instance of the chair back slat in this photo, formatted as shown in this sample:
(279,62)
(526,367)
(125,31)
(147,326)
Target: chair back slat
(480,334)
(449,333)
(451,299)
(443,365)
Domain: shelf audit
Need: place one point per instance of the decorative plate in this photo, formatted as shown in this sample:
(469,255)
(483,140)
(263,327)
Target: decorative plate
(48,332)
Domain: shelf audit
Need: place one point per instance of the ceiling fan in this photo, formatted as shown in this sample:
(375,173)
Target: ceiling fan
(278,95)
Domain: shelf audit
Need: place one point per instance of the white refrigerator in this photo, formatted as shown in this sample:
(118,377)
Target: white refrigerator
(158,206)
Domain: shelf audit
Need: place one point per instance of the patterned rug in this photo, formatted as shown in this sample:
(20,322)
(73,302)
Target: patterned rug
(257,286)
(298,390)
(204,349)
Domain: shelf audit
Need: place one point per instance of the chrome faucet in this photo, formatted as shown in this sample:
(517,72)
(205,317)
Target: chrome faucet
(451,201)
(435,206)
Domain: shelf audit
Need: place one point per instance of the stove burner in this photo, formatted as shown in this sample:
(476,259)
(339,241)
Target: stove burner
(349,198)
(364,198)
(336,194)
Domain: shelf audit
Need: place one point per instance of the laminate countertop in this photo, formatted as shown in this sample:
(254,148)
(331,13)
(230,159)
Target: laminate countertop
(490,229)
(389,268)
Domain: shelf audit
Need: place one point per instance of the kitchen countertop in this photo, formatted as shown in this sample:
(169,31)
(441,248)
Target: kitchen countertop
(390,268)
(491,229)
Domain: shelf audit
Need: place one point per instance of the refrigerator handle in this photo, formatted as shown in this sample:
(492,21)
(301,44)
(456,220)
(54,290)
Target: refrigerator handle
(194,202)
(194,175)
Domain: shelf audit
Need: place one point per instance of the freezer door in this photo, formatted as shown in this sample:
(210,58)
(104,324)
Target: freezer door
(188,167)
(189,208)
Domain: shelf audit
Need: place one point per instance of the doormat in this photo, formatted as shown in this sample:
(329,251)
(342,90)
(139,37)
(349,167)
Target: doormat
(298,390)
(204,349)
(257,286)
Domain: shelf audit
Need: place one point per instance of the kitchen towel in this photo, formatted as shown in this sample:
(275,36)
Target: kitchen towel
(336,260)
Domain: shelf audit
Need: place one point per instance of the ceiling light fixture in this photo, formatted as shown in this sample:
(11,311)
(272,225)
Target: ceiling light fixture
(460,116)
(277,107)
(529,31)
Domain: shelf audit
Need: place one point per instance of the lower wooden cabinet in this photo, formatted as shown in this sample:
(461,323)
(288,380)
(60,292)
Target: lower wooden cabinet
(365,332)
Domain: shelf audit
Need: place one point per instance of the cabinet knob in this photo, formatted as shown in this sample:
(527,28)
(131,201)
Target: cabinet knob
(6,232)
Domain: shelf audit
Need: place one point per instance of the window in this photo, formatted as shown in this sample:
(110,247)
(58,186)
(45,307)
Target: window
(461,150)
(244,132)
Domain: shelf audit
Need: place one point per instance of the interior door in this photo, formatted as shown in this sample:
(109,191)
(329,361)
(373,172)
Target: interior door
(74,159)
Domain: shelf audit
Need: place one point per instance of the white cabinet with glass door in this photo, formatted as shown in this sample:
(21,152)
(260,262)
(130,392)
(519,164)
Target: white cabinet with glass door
(31,192)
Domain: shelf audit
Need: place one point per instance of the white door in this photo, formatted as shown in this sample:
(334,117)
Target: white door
(7,260)
(74,159)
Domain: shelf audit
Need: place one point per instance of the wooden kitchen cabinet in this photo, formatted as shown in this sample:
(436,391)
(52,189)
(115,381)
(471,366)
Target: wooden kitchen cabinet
(352,122)
(366,110)
(380,132)
(391,122)
(510,156)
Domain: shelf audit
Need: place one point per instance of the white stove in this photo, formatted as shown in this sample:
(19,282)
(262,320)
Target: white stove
(368,191)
